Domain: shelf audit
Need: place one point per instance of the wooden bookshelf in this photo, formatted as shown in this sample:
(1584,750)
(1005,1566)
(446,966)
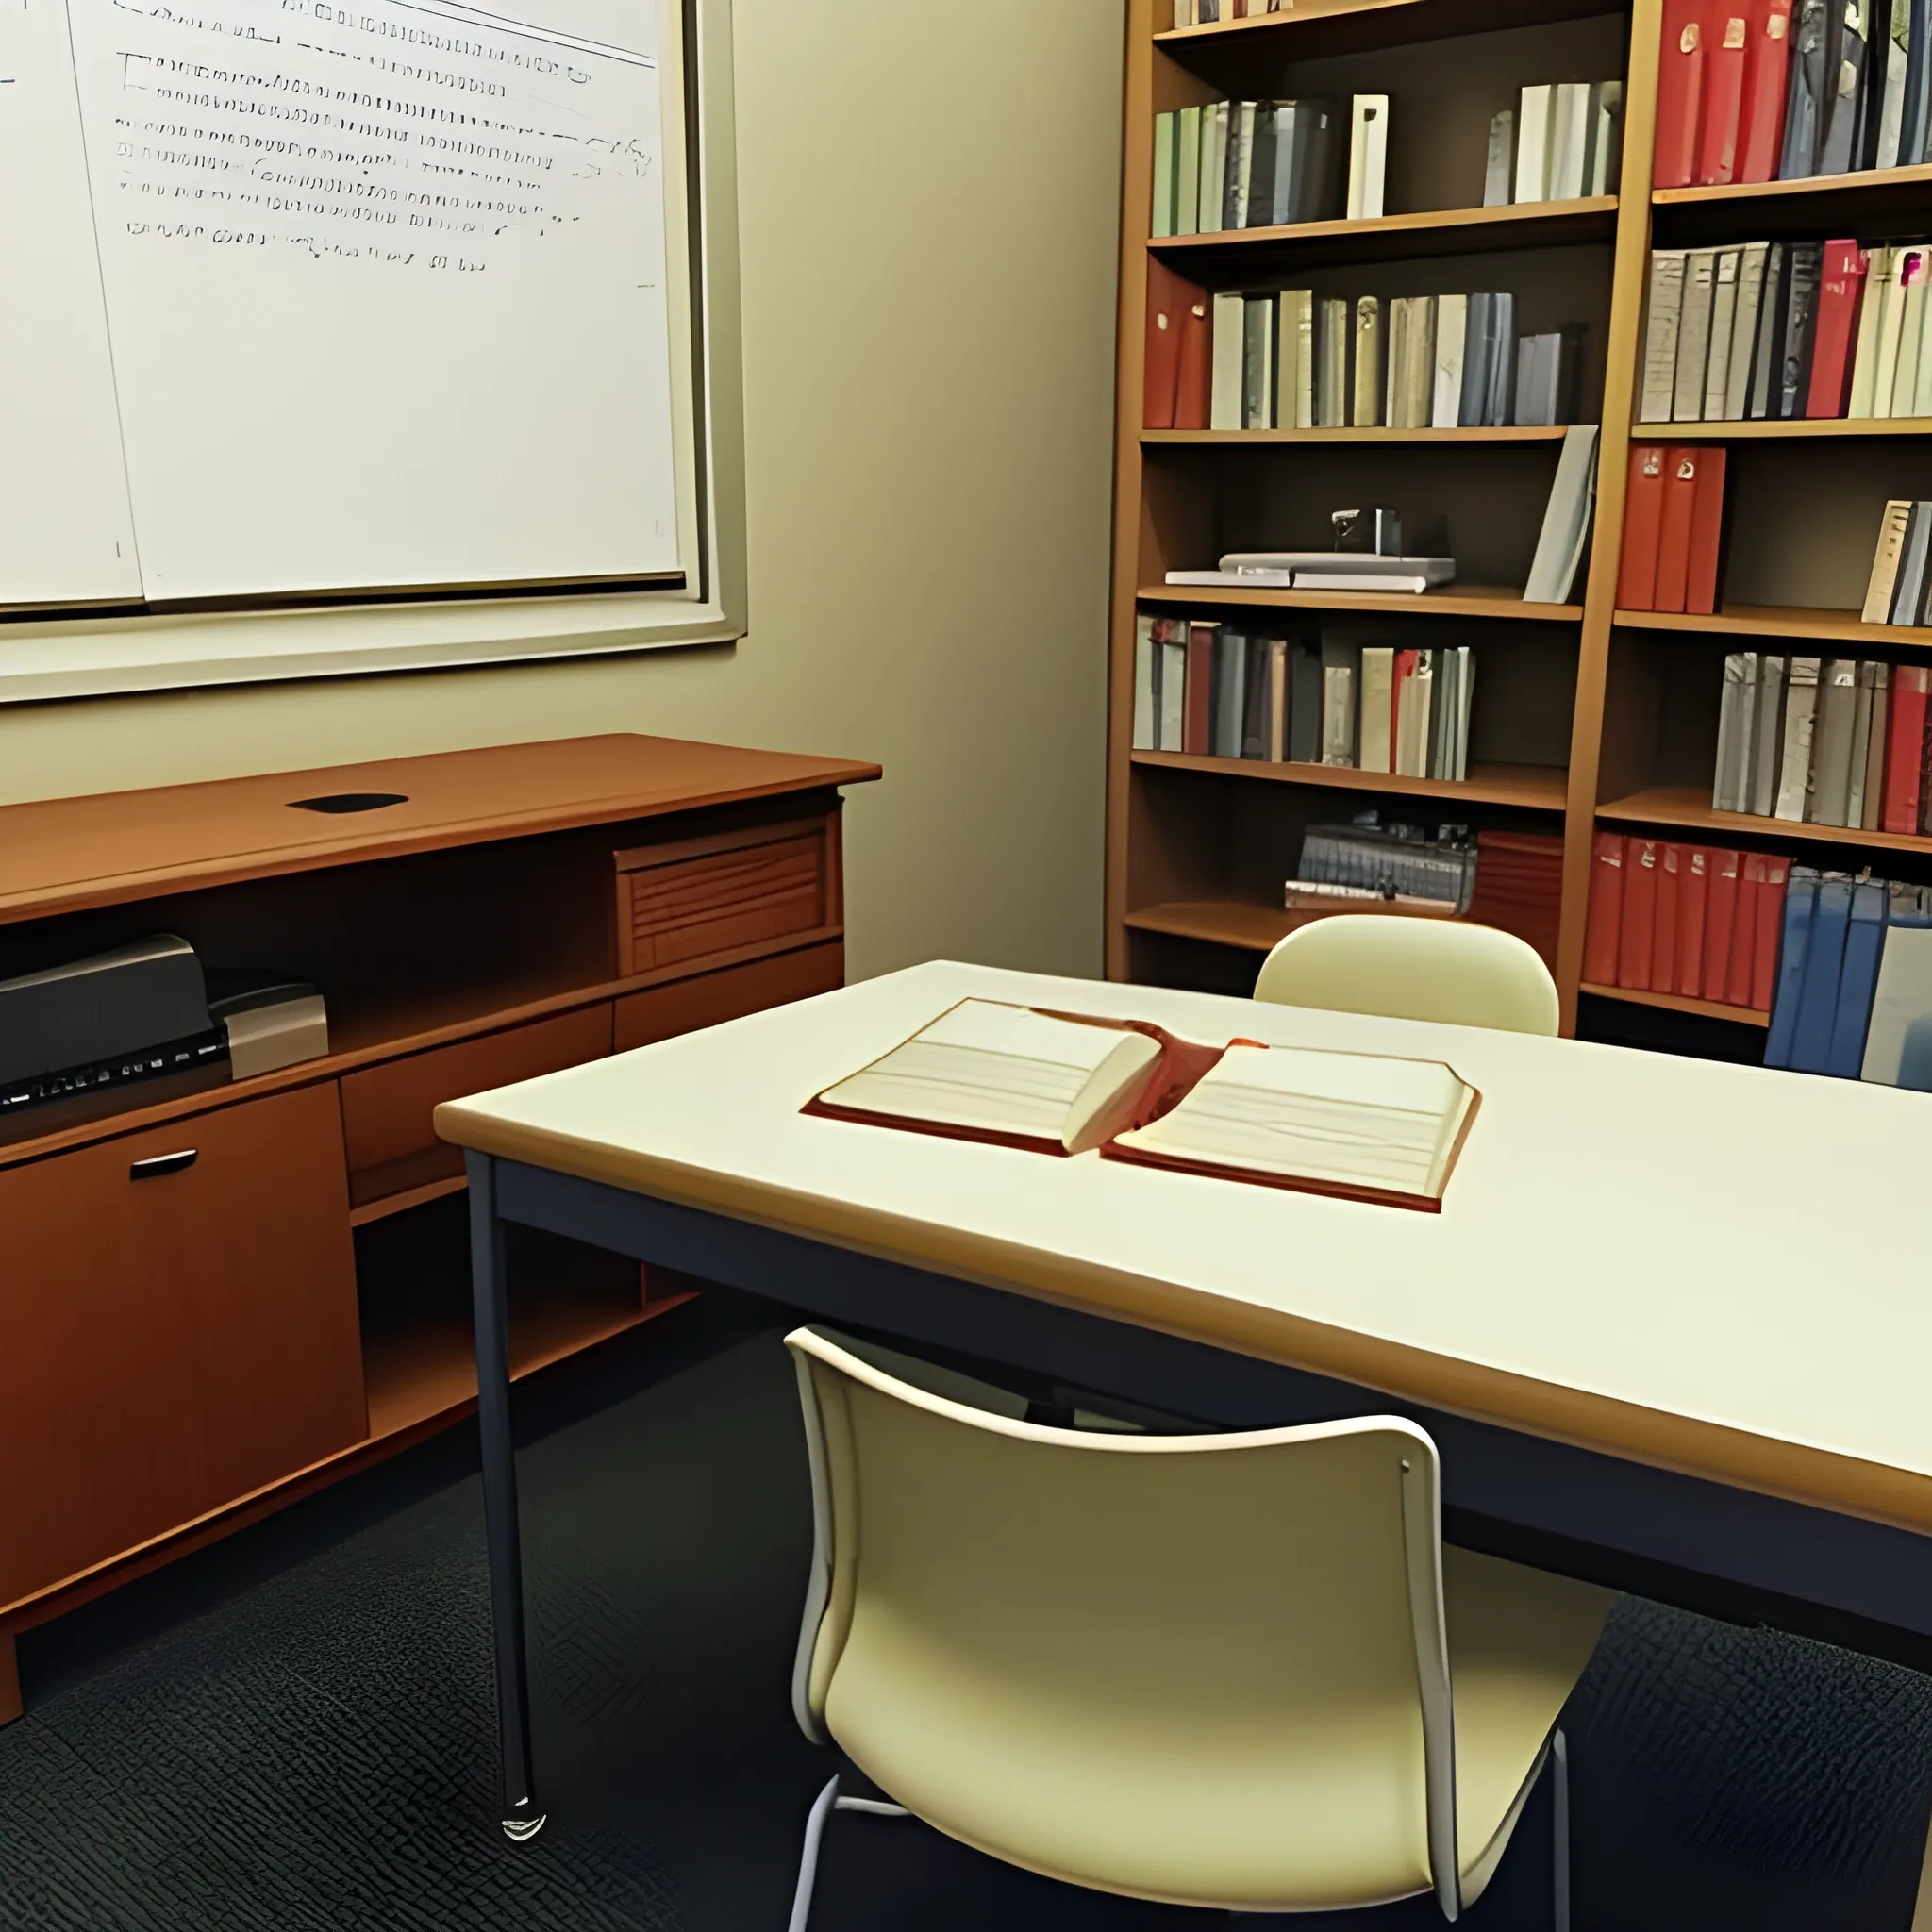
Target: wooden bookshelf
(1218,922)
(1740,195)
(1429,231)
(1676,1003)
(1531,787)
(1459,600)
(1261,439)
(1799,427)
(1677,804)
(1335,26)
(1797,621)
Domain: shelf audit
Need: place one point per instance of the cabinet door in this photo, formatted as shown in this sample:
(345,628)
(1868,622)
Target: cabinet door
(172,1335)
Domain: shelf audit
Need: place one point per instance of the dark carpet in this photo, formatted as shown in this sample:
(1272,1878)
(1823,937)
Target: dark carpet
(293,1729)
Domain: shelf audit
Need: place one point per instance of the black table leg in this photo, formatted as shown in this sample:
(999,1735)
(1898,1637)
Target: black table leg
(522,1818)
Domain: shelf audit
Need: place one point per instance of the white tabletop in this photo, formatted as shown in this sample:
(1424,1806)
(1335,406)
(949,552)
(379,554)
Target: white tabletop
(1685,1262)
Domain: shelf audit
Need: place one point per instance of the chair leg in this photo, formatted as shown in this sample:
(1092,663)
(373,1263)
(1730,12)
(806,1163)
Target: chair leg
(822,1807)
(1560,1810)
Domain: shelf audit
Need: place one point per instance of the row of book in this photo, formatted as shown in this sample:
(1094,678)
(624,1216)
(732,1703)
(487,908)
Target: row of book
(1786,89)
(1899,589)
(1204,13)
(1696,922)
(1823,742)
(1564,139)
(1203,688)
(1779,330)
(1261,164)
(1854,980)
(1674,513)
(1290,359)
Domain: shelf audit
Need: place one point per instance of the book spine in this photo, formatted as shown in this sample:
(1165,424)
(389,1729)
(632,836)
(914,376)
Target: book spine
(1783,904)
(1605,924)
(1805,94)
(1879,274)
(1724,320)
(1693,889)
(1368,157)
(1663,311)
(1535,111)
(1874,755)
(1767,733)
(1731,732)
(1496,169)
(1165,127)
(1694,336)
(1904,748)
(1636,936)
(1187,172)
(1146,687)
(1707,533)
(1681,466)
(1743,331)
(1642,523)
(1366,411)
(1765,351)
(1724,97)
(1452,323)
(1197,704)
(1841,285)
(1805,260)
(1663,949)
(1720,923)
(1794,770)
(1679,94)
(1230,328)
(1761,131)
(1883,582)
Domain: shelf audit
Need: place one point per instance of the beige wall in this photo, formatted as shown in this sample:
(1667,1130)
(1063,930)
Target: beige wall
(928,202)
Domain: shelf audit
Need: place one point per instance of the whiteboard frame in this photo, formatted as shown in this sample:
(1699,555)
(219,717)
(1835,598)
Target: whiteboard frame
(72,655)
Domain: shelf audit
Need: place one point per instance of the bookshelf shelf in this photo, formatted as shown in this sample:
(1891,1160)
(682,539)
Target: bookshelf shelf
(1219,921)
(1261,439)
(1436,231)
(1733,194)
(1321,27)
(1465,600)
(1676,1003)
(1779,621)
(1535,788)
(1797,427)
(1690,806)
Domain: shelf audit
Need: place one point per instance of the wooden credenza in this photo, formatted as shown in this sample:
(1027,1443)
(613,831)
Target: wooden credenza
(185,1343)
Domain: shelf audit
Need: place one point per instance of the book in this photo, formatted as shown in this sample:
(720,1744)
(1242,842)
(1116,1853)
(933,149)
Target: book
(1730,789)
(1331,365)
(1805,98)
(1767,733)
(1880,280)
(1681,467)
(1365,407)
(1316,161)
(1694,335)
(1226,397)
(1258,201)
(1168,299)
(1569,140)
(1187,172)
(1801,899)
(1883,582)
(1479,344)
(1818,987)
(1838,697)
(1379,708)
(1724,96)
(1740,980)
(1643,508)
(1693,910)
(1257,362)
(1803,261)
(1857,980)
(1368,155)
(1452,323)
(1251,716)
(1278,210)
(1859,759)
(1636,940)
(1706,532)
(1548,372)
(1840,287)
(1762,129)
(1395,371)
(1171,671)
(1909,334)
(1419,376)
(1908,594)
(1663,950)
(1723,321)
(1361,1125)
(1887,63)
(1743,330)
(1496,168)
(1795,754)
(1230,676)
(1605,910)
(1679,94)
(1304,707)
(1499,356)
(1197,706)
(1147,736)
(1875,758)
(1213,190)
(1294,356)
(1241,164)
(1606,137)
(1535,130)
(1663,309)
(1162,223)
(1838,145)
(1898,1035)
(1916,109)
(1767,349)
(1195,377)
(1565,531)
(1720,924)
(1340,673)
(1415,713)
(1768,880)
(1908,273)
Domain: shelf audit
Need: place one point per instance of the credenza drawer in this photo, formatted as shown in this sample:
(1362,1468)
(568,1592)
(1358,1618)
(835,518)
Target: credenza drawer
(685,1004)
(178,1308)
(386,1110)
(730,896)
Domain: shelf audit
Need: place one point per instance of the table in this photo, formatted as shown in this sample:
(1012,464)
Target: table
(1660,1330)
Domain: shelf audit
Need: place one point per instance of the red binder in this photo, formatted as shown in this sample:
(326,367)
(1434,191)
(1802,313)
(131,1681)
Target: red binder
(1679,93)
(1706,532)
(1738,981)
(1762,123)
(1681,466)
(1720,920)
(1167,300)
(1641,861)
(1839,290)
(1195,377)
(1905,737)
(1771,919)
(1725,31)
(1644,509)
(1606,920)
(1197,695)
(1693,882)
(1663,946)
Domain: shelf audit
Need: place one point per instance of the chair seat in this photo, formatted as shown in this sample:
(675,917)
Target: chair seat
(1201,1790)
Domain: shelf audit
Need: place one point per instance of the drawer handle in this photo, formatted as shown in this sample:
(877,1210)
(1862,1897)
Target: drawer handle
(156,1165)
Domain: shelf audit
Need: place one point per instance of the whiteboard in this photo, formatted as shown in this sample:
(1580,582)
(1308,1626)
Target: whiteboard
(383,287)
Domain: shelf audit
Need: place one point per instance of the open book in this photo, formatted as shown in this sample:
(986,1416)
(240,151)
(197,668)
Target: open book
(1351,1123)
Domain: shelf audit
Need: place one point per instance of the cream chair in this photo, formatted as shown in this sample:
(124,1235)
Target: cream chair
(1416,968)
(1234,1671)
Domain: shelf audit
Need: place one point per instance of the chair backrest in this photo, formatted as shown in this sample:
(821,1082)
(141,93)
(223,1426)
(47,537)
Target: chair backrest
(1413,968)
(1281,1585)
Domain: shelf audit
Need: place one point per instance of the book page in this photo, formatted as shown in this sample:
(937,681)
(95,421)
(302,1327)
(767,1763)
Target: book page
(1352,1120)
(1001,1068)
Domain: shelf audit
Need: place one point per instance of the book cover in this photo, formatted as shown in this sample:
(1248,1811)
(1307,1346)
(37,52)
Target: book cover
(1903,298)
(1569,140)
(1882,585)
(1908,594)
(1171,681)
(1761,130)
(1839,140)
(1378,707)
(1886,66)
(1724,95)
(1898,1037)
(1818,987)
(1253,730)
(1534,125)
(1875,757)
(1606,136)
(1241,164)
(1452,322)
(1187,172)
(1395,370)
(1479,345)
(1195,377)
(1707,533)
(1604,927)
(1838,697)
(1723,324)
(1744,330)
(1693,879)
(1258,205)
(1681,467)
(1670,865)
(1305,703)
(1839,288)
(1197,706)
(1727,791)
(1294,342)
(1753,871)
(1340,678)
(1280,209)
(1637,938)
(1164,129)
(1320,150)
(1365,409)
(1331,365)
(1496,168)
(1368,157)
(1214,118)
(1663,310)
(1857,980)
(1917,111)
(1720,924)
(1230,691)
(1565,530)
(1803,261)
(1797,755)
(1804,96)
(1230,327)
(1913,280)
(1860,758)
(1644,509)
(1168,298)
(1257,362)
(1905,747)
(1767,351)
(1799,900)
(1146,687)
(1694,335)
(1767,733)
(1881,275)
(1764,949)
(1419,374)
(1500,355)
(1679,94)
(1926,775)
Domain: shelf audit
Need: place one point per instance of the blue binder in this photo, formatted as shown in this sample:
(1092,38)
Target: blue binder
(1857,980)
(1824,956)
(1801,898)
